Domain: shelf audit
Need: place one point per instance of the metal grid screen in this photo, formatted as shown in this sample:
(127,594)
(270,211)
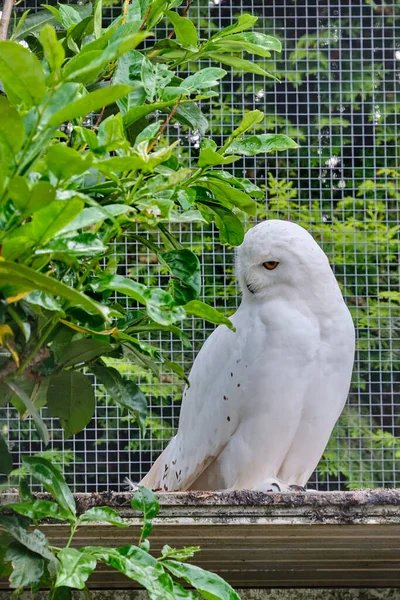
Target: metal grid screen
(339,73)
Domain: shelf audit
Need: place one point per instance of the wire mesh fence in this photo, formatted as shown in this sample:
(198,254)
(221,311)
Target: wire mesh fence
(337,95)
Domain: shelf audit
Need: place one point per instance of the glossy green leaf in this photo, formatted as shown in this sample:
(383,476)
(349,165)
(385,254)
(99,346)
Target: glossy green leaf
(28,567)
(28,279)
(6,464)
(31,409)
(103,514)
(44,300)
(240,64)
(21,74)
(138,112)
(268,42)
(84,67)
(84,350)
(240,182)
(35,540)
(75,568)
(65,162)
(204,311)
(146,502)
(180,553)
(210,585)
(53,50)
(210,158)
(39,509)
(12,129)
(86,244)
(70,397)
(153,578)
(249,120)
(203,79)
(185,266)
(53,482)
(185,30)
(124,392)
(89,103)
(244,22)
(261,144)
(95,214)
(229,195)
(192,116)
(33,24)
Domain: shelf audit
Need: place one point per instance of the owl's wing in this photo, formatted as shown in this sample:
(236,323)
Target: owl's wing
(204,426)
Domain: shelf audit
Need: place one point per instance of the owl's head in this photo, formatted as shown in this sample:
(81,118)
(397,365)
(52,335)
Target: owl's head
(279,254)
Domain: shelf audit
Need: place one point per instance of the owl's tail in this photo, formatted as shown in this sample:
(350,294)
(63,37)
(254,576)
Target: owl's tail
(153,478)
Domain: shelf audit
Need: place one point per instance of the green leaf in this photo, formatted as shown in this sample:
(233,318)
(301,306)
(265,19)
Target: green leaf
(180,553)
(6,464)
(28,280)
(21,74)
(53,50)
(124,392)
(228,195)
(30,407)
(84,350)
(208,157)
(209,585)
(257,144)
(203,79)
(204,311)
(138,112)
(12,129)
(35,541)
(250,119)
(185,30)
(28,567)
(75,568)
(153,578)
(268,42)
(241,182)
(185,266)
(95,214)
(32,24)
(146,502)
(191,115)
(45,223)
(39,509)
(240,64)
(244,22)
(103,514)
(65,162)
(230,227)
(82,245)
(89,103)
(70,397)
(44,301)
(52,480)
(84,67)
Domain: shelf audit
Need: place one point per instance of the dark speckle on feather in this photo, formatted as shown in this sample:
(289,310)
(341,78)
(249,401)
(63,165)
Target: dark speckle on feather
(231,374)
(176,473)
(238,384)
(174,462)
(228,418)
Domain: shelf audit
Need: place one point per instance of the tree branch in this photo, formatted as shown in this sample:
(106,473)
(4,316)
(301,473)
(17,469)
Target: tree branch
(171,114)
(5,18)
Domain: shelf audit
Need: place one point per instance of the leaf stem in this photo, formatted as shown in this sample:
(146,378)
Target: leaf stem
(171,114)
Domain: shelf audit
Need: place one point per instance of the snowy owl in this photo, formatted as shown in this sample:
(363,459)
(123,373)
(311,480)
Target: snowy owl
(263,400)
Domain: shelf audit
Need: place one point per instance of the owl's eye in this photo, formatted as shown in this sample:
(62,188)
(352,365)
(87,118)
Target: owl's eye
(271,265)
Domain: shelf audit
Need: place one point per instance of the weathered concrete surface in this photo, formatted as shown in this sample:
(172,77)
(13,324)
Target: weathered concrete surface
(258,540)
(249,594)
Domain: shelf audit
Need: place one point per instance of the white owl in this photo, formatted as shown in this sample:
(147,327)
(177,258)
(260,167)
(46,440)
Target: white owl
(263,400)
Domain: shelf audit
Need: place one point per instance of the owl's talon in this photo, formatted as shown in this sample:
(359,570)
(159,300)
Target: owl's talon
(297,488)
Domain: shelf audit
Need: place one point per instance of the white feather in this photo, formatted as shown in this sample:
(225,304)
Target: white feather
(263,400)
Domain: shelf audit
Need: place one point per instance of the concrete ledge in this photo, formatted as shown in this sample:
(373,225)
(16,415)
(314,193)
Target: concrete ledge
(257,540)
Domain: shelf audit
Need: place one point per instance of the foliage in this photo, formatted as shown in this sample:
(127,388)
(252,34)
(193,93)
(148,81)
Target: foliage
(31,562)
(71,193)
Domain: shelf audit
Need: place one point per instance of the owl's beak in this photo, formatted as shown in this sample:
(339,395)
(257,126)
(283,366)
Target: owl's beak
(249,288)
